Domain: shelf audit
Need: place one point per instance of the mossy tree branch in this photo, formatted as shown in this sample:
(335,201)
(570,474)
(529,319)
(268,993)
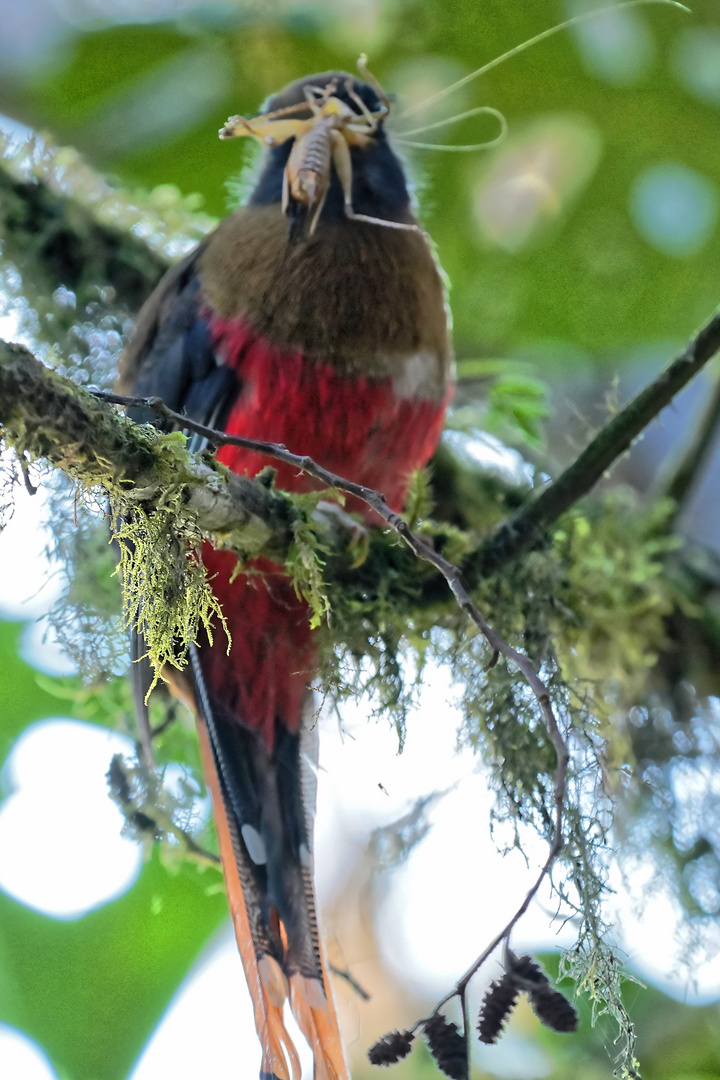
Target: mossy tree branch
(57,239)
(44,415)
(100,446)
(64,242)
(48,416)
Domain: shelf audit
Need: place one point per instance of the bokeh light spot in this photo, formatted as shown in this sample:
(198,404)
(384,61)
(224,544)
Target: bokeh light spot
(33,586)
(21,1058)
(696,62)
(213,1001)
(61,851)
(533,178)
(616,46)
(674,208)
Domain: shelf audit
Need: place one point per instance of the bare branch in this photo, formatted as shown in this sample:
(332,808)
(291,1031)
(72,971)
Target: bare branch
(682,478)
(527,527)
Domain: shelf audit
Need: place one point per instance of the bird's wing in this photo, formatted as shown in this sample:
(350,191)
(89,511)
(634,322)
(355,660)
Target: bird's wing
(170,356)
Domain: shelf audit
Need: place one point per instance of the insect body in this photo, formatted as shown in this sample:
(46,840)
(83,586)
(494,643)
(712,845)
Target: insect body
(307,175)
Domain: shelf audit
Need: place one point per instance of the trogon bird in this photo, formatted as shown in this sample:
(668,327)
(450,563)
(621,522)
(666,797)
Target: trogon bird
(322,325)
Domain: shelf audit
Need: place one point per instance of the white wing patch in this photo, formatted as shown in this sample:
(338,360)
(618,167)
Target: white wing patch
(421,375)
(255,844)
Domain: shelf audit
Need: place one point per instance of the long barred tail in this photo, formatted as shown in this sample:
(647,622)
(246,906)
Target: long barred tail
(261,804)
(320,1027)
(279,1056)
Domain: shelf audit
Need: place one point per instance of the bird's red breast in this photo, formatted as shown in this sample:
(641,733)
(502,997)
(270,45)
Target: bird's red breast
(340,351)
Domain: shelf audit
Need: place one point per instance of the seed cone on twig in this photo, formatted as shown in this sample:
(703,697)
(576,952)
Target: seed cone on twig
(391,1048)
(528,974)
(447,1046)
(498,1003)
(554,1010)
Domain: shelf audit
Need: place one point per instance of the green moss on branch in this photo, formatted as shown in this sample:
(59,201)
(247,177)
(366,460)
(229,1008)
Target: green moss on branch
(47,416)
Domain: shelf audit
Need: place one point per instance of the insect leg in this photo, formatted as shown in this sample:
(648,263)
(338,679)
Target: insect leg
(372,119)
(317,96)
(370,78)
(343,166)
(268,131)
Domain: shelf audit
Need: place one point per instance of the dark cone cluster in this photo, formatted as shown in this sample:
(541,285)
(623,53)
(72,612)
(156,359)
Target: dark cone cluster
(498,1003)
(447,1046)
(554,1010)
(550,1006)
(391,1048)
(524,975)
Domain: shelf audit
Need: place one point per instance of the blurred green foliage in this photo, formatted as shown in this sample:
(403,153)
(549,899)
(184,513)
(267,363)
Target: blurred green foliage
(144,103)
(110,974)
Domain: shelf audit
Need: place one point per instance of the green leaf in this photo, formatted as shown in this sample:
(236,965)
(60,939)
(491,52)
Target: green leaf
(90,991)
(23,698)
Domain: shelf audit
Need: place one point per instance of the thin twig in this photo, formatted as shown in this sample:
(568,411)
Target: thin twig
(29,486)
(376,501)
(679,482)
(343,973)
(126,783)
(453,577)
(504,935)
(166,824)
(526,528)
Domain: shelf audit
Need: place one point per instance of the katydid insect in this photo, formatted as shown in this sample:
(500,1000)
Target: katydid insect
(325,128)
(322,140)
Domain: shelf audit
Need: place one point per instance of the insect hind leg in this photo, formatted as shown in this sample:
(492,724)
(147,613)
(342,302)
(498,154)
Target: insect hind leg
(343,167)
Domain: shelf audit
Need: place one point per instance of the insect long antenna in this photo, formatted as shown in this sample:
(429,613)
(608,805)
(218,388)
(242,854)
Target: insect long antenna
(481,110)
(529,43)
(371,118)
(370,78)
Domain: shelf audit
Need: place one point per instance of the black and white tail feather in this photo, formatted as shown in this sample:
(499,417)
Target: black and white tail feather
(264,806)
